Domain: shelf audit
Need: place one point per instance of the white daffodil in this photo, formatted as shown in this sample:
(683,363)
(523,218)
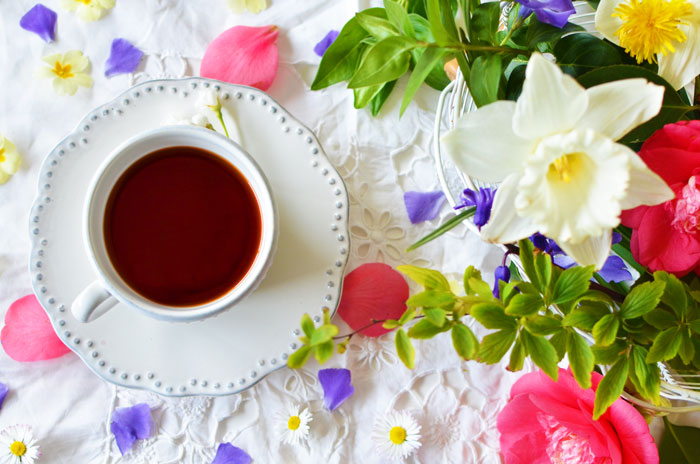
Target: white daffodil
(554,153)
(667,31)
(293,424)
(397,435)
(18,445)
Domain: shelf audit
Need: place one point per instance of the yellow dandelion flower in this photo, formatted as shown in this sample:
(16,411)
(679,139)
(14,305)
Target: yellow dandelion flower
(9,159)
(67,71)
(88,10)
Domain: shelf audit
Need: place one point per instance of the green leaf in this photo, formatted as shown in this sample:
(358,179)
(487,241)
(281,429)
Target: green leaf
(342,57)
(480,287)
(428,278)
(421,27)
(610,387)
(578,53)
(642,299)
(661,319)
(580,359)
(464,341)
(425,329)
(674,294)
(585,316)
(436,316)
(665,345)
(299,357)
(492,316)
(391,324)
(447,226)
(324,351)
(605,330)
(524,305)
(694,325)
(572,284)
(542,353)
(486,79)
(609,354)
(407,316)
(542,325)
(323,334)
(375,105)
(398,16)
(527,258)
(404,349)
(538,33)
(543,267)
(307,325)
(386,61)
(673,107)
(427,61)
(516,79)
(687,350)
(559,341)
(485,22)
(508,291)
(364,95)
(441,21)
(494,346)
(679,444)
(377,27)
(470,273)
(432,298)
(645,377)
(517,356)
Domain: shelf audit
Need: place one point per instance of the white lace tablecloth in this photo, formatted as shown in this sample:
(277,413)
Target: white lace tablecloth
(69,408)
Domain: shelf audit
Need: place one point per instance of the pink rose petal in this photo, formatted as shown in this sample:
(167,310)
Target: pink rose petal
(243,55)
(372,291)
(28,334)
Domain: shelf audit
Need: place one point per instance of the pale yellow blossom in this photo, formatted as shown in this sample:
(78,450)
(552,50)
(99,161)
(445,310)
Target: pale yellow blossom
(254,6)
(9,159)
(88,10)
(67,71)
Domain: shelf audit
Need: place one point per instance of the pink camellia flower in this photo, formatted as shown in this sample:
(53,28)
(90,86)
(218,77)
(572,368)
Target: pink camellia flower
(243,55)
(552,422)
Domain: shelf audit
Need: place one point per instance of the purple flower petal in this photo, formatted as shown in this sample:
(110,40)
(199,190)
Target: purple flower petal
(337,386)
(554,12)
(482,199)
(616,237)
(423,206)
(40,20)
(131,424)
(3,393)
(124,58)
(615,270)
(229,454)
(326,42)
(501,273)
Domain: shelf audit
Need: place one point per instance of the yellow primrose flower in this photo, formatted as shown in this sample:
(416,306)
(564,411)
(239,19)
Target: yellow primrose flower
(67,71)
(663,31)
(88,10)
(254,6)
(9,159)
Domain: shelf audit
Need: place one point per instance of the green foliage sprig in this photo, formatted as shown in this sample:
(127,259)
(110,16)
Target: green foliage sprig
(551,314)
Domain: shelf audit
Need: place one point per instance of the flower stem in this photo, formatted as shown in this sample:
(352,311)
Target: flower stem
(518,22)
(371,324)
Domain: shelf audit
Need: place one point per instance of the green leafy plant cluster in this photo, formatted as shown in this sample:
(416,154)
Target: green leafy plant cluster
(548,314)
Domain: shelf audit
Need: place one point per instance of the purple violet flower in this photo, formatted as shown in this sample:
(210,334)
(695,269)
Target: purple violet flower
(226,453)
(326,42)
(554,12)
(123,58)
(501,273)
(131,424)
(41,21)
(615,270)
(3,393)
(482,199)
(423,206)
(337,386)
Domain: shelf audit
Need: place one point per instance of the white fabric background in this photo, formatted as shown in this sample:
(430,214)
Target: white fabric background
(380,158)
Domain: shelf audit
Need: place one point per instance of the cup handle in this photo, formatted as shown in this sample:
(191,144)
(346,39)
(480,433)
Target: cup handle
(92,302)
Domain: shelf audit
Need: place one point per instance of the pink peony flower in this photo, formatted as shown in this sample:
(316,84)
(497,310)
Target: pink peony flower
(552,422)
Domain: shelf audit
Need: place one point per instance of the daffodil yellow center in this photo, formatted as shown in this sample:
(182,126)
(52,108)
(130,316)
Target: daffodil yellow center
(397,435)
(293,423)
(650,27)
(18,448)
(62,71)
(565,167)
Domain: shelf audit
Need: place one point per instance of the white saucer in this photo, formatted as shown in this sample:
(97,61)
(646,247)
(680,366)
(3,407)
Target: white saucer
(230,352)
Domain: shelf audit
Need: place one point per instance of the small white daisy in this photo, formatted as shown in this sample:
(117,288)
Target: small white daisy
(396,435)
(293,424)
(18,445)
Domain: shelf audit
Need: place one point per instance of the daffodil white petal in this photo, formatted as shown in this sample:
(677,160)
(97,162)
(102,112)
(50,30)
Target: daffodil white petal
(505,225)
(645,186)
(683,65)
(593,250)
(605,23)
(635,101)
(483,145)
(550,102)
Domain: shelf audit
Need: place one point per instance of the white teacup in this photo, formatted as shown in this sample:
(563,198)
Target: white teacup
(110,288)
